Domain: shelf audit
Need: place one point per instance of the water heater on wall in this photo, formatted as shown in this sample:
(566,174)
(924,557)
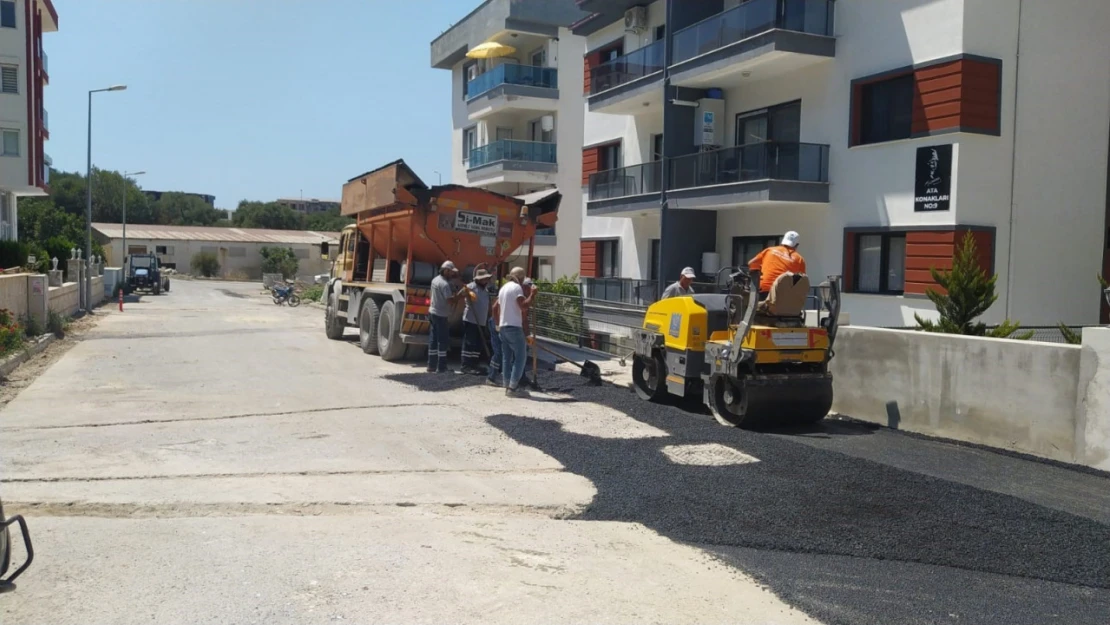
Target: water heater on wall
(709,126)
(547,123)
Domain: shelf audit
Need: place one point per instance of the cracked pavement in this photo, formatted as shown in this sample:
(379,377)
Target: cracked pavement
(211,454)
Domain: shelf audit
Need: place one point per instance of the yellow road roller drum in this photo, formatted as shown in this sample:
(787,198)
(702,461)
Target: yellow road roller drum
(755,363)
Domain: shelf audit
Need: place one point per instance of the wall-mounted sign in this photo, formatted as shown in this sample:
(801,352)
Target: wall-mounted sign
(933,178)
(479,223)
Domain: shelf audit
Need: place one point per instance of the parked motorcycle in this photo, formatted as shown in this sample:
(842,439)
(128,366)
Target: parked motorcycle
(283,294)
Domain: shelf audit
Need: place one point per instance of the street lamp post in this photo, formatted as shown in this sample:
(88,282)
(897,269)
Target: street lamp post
(123,264)
(87,287)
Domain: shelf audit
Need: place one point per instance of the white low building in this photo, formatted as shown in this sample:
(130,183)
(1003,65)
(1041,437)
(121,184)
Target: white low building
(881,130)
(238,250)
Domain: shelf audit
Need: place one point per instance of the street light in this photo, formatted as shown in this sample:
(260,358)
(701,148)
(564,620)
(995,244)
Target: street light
(123,265)
(87,289)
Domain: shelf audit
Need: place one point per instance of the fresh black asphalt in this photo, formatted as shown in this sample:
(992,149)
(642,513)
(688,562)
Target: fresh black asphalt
(851,523)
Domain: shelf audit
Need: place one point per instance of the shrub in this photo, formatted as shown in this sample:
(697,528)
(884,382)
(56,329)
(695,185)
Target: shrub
(11,335)
(558,310)
(205,264)
(970,292)
(56,323)
(13,254)
(313,293)
(279,260)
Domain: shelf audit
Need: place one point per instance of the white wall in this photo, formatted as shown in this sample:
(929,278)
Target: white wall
(1063,131)
(13,106)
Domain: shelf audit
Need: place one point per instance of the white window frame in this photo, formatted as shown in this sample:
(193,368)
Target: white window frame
(3,151)
(15,12)
(14,68)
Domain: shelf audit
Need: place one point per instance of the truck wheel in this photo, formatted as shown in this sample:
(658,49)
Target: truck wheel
(157,289)
(333,326)
(368,326)
(390,345)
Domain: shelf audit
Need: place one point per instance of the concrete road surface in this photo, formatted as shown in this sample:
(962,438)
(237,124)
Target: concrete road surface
(209,457)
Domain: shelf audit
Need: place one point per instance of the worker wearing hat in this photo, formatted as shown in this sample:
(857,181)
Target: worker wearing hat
(775,261)
(443,299)
(683,286)
(475,315)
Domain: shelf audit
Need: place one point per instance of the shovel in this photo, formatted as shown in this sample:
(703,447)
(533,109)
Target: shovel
(587,369)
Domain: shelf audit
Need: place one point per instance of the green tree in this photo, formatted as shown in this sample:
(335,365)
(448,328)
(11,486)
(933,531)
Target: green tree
(269,215)
(969,294)
(180,209)
(206,264)
(330,221)
(558,309)
(279,260)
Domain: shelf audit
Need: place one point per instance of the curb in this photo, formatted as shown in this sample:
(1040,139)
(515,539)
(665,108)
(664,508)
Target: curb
(12,362)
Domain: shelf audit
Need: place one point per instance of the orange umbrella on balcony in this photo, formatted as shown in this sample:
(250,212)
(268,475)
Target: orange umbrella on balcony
(490,50)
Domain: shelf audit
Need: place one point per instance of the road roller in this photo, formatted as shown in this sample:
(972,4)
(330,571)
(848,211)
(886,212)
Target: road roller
(755,361)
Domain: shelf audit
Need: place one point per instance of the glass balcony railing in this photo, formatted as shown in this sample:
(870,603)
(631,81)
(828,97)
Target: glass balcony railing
(624,69)
(772,160)
(631,180)
(749,19)
(510,150)
(45,121)
(513,74)
(43,62)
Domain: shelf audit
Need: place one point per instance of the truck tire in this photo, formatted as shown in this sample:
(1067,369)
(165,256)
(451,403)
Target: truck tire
(158,289)
(390,345)
(333,325)
(368,326)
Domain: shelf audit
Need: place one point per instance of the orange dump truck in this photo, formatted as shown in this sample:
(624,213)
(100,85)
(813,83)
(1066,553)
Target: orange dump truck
(404,231)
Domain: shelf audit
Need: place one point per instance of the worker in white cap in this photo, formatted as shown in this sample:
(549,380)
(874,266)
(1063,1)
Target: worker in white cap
(683,286)
(444,298)
(775,261)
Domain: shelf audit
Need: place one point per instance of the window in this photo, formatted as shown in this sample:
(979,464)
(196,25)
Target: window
(163,250)
(537,133)
(9,143)
(469,73)
(656,147)
(886,110)
(469,142)
(9,79)
(136,249)
(504,134)
(239,252)
(881,263)
(609,157)
(745,248)
(539,58)
(660,32)
(208,249)
(608,259)
(7,13)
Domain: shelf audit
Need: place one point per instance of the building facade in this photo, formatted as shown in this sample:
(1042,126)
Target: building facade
(309,207)
(24,129)
(238,250)
(880,130)
(517,119)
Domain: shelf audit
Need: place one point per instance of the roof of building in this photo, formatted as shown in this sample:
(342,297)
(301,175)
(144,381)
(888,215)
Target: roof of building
(305,199)
(156,232)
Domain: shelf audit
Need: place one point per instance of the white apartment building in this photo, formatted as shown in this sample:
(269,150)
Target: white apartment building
(24,165)
(517,119)
(881,130)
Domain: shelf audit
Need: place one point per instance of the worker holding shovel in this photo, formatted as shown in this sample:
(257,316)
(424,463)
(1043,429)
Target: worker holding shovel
(474,317)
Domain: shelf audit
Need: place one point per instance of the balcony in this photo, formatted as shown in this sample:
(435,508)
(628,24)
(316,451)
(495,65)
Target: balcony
(44,66)
(757,39)
(626,190)
(749,175)
(512,86)
(629,84)
(45,124)
(512,161)
(626,291)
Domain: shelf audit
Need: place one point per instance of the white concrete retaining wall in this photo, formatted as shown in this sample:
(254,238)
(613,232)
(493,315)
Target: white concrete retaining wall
(13,293)
(64,299)
(1049,400)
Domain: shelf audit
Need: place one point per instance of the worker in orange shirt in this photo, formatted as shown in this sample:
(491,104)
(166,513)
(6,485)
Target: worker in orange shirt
(775,261)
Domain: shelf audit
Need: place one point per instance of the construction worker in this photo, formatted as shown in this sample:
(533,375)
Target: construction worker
(444,298)
(495,341)
(513,305)
(775,261)
(682,287)
(475,316)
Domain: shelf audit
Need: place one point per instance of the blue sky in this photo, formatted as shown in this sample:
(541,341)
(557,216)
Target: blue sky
(251,99)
